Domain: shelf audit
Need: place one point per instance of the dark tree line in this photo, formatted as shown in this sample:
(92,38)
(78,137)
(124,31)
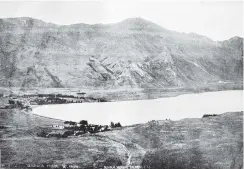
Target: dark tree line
(115,125)
(209,115)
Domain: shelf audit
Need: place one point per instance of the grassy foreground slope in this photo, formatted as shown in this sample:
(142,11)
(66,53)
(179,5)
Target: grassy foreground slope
(213,142)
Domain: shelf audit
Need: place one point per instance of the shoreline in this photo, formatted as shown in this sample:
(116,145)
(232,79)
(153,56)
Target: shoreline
(135,109)
(177,95)
(211,87)
(38,115)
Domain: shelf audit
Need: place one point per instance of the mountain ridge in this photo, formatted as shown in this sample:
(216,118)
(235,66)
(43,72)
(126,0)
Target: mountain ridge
(109,24)
(132,53)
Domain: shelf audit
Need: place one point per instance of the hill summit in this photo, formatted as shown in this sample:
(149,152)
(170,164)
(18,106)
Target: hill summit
(134,53)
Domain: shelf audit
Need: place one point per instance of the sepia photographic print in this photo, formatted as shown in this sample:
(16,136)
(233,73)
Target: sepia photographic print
(107,84)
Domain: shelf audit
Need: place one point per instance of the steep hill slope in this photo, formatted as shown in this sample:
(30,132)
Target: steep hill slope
(132,53)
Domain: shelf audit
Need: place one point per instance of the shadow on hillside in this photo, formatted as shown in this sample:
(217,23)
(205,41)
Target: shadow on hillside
(176,159)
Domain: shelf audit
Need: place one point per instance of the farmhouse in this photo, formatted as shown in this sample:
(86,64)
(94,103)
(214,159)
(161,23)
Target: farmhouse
(55,126)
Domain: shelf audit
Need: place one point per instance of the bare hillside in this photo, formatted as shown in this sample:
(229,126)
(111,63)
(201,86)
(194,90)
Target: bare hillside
(133,53)
(206,143)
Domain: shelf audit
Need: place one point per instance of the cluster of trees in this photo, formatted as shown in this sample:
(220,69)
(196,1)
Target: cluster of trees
(65,134)
(55,100)
(102,100)
(115,125)
(93,128)
(70,123)
(50,100)
(3,127)
(74,101)
(84,122)
(42,133)
(84,127)
(42,99)
(46,95)
(62,100)
(16,103)
(67,96)
(75,129)
(209,115)
(57,95)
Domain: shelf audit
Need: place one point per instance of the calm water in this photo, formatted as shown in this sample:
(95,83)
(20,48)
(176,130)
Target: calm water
(133,112)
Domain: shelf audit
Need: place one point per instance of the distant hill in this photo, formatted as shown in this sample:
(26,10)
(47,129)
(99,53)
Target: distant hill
(133,53)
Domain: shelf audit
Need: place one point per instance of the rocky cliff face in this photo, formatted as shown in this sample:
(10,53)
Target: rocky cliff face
(131,53)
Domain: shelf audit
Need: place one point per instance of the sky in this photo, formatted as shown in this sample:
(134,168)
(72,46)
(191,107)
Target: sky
(218,20)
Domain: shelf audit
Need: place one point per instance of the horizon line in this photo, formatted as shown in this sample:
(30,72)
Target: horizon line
(112,23)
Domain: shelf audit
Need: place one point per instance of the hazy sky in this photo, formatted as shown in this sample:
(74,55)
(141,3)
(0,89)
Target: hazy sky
(218,20)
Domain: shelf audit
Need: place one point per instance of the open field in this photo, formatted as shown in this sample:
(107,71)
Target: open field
(212,142)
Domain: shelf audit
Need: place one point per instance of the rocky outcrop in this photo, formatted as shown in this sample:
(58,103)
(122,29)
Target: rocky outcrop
(131,53)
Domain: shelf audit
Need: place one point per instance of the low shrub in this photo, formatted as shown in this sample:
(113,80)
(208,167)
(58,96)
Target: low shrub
(42,133)
(3,127)
(68,133)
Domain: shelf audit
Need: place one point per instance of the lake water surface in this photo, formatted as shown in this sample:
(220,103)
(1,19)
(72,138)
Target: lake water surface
(141,111)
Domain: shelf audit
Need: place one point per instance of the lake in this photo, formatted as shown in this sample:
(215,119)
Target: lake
(141,111)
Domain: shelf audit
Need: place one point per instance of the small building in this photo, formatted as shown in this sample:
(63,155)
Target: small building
(55,126)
